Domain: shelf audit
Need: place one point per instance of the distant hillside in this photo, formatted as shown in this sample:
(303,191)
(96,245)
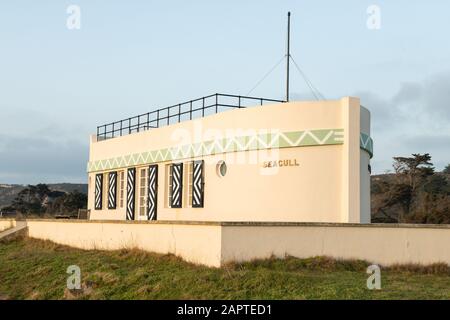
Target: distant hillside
(69,187)
(9,191)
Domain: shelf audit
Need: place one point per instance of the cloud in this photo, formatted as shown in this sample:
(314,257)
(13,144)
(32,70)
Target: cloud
(437,96)
(37,147)
(437,145)
(383,113)
(409,92)
(28,159)
(414,120)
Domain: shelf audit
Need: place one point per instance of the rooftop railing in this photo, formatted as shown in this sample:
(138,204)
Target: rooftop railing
(189,110)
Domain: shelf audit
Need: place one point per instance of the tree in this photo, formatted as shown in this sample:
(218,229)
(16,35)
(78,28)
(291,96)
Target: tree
(30,199)
(447,169)
(414,168)
(394,194)
(414,194)
(437,185)
(68,203)
(42,191)
(40,199)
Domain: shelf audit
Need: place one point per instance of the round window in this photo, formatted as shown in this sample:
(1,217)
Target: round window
(221,168)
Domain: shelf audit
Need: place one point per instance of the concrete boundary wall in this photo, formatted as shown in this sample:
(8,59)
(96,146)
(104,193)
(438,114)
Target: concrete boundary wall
(216,243)
(197,243)
(7,224)
(380,244)
(19,229)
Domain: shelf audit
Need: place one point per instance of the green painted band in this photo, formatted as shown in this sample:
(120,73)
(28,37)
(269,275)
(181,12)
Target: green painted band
(243,143)
(366,143)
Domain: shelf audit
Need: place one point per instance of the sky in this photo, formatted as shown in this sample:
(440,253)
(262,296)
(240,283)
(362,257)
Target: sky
(129,57)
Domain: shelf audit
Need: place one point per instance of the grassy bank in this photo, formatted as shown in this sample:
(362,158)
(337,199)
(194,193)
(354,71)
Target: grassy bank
(34,269)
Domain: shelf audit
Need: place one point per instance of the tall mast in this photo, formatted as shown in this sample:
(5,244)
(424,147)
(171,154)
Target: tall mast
(288,55)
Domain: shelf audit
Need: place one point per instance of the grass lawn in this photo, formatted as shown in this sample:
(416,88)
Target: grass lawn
(35,269)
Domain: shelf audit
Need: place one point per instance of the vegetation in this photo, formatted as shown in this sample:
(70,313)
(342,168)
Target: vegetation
(9,192)
(35,269)
(415,193)
(447,169)
(40,200)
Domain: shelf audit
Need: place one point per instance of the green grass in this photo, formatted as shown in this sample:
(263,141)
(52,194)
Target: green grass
(34,269)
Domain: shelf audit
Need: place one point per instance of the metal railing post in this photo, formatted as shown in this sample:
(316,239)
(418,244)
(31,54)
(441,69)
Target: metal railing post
(168,112)
(203,107)
(217,101)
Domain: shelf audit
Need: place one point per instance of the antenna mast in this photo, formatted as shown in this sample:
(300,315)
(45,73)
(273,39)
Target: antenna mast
(288,55)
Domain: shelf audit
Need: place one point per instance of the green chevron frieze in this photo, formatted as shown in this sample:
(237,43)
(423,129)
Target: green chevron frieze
(242,143)
(366,143)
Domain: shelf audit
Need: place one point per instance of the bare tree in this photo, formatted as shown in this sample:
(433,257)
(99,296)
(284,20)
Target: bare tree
(414,168)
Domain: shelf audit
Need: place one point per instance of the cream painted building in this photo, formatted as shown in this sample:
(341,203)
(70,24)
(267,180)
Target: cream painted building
(232,158)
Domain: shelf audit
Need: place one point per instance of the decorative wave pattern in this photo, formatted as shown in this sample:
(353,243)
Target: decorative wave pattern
(197,184)
(98,191)
(152,192)
(112,181)
(366,143)
(244,143)
(131,185)
(177,185)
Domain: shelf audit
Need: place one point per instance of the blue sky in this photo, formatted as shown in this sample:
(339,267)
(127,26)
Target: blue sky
(129,57)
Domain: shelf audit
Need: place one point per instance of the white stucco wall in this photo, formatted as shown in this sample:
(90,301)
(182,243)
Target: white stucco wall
(377,243)
(329,185)
(197,243)
(7,224)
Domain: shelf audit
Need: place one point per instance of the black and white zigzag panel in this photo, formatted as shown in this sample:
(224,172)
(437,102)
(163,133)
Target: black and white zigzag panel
(98,191)
(112,191)
(131,184)
(198,184)
(152,196)
(177,185)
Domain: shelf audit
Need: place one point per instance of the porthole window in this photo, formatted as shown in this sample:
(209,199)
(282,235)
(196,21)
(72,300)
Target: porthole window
(221,168)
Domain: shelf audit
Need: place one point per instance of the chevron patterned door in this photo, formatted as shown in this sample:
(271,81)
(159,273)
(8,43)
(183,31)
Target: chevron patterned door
(177,185)
(98,191)
(152,190)
(198,184)
(112,190)
(131,185)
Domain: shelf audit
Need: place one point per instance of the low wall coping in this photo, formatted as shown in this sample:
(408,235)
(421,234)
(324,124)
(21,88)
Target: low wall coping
(246,223)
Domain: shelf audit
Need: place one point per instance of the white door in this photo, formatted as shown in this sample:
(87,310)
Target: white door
(142,195)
